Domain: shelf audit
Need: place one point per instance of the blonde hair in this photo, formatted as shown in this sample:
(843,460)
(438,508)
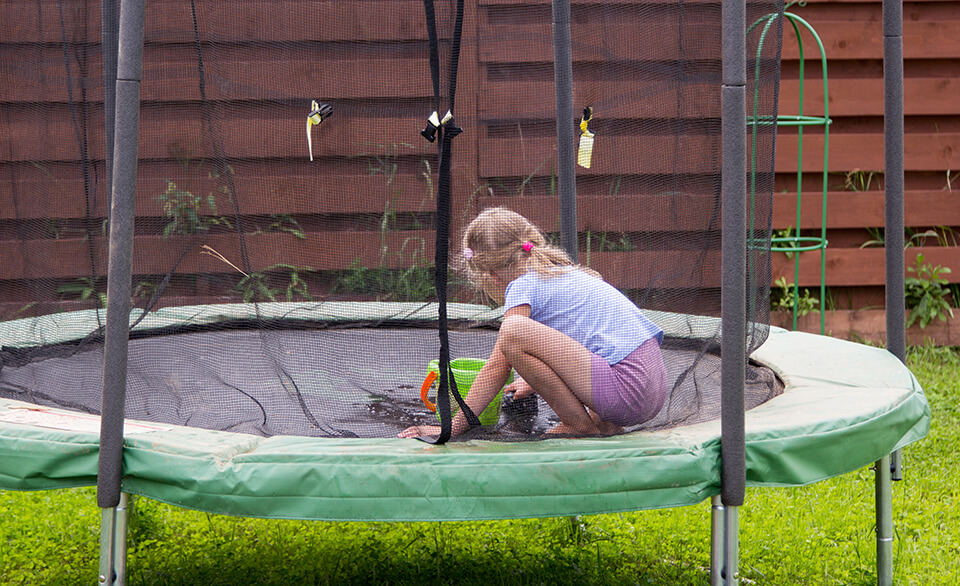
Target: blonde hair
(494,241)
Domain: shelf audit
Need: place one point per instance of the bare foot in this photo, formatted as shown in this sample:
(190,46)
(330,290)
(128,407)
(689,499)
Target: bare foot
(562,429)
(600,428)
(605,427)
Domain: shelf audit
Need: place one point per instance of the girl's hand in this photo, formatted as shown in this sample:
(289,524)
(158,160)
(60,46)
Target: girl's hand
(419,430)
(519,387)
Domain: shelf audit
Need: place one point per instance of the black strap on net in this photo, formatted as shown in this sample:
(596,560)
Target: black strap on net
(446,130)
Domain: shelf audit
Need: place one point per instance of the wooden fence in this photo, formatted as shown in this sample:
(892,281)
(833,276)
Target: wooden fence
(852,36)
(510,68)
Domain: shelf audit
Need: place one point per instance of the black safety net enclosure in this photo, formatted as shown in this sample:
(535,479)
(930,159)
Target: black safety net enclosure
(296,161)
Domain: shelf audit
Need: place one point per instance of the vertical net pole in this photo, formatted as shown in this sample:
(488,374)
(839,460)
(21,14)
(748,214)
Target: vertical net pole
(893,175)
(566,135)
(119,277)
(109,44)
(889,466)
(733,282)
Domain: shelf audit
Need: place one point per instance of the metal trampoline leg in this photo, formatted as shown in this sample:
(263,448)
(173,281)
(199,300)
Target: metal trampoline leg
(884,499)
(731,546)
(113,544)
(724,544)
(716,542)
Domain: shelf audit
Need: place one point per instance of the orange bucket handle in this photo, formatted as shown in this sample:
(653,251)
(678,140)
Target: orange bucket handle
(427,382)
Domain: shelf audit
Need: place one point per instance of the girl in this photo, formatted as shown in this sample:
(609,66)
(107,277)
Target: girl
(572,338)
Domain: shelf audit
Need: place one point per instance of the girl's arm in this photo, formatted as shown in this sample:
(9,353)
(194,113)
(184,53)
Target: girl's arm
(490,379)
(488,383)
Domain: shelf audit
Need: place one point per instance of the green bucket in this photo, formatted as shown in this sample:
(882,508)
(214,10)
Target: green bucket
(465,371)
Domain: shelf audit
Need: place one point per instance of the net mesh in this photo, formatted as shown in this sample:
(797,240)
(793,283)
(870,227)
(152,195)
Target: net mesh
(232,211)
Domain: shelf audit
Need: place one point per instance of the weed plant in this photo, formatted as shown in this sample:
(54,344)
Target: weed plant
(927,293)
(816,535)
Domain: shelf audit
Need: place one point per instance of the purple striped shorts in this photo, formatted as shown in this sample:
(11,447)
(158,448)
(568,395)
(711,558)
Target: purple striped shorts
(633,390)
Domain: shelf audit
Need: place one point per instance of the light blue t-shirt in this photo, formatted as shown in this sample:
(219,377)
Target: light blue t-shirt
(586,308)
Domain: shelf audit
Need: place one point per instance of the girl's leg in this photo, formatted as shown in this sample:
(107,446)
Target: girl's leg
(557,366)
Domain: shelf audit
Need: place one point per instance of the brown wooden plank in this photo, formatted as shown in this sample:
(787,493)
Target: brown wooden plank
(243,73)
(590,2)
(923,96)
(870,325)
(339,250)
(859,209)
(848,152)
(171,21)
(50,139)
(609,99)
(860,267)
(592,41)
(848,97)
(598,214)
(45,21)
(864,40)
(261,195)
(39,136)
(662,269)
(653,154)
(923,151)
(156,255)
(39,73)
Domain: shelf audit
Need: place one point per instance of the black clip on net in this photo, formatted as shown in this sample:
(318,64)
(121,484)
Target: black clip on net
(320,112)
(434,123)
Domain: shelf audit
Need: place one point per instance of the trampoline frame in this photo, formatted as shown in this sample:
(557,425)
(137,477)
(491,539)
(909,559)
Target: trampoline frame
(733,455)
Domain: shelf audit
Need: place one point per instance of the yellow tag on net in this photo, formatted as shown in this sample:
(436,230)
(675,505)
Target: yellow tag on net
(585,152)
(309,137)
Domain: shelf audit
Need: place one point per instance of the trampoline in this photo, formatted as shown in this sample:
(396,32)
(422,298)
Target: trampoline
(843,406)
(203,305)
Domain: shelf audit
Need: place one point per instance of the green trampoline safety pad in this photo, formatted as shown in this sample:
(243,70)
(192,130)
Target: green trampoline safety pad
(845,405)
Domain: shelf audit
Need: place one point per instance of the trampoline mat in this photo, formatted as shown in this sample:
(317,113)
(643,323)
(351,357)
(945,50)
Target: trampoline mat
(355,382)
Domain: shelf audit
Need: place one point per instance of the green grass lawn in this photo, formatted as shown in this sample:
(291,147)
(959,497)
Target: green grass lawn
(817,535)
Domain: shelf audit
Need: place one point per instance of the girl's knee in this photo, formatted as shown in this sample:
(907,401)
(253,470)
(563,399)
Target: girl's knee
(513,331)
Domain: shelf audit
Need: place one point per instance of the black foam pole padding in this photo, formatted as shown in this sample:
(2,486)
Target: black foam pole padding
(734,45)
(109,45)
(893,177)
(120,268)
(733,253)
(566,128)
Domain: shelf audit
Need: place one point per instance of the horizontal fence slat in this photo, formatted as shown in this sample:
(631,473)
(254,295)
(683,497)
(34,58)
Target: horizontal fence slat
(261,195)
(39,137)
(864,40)
(274,20)
(653,154)
(156,255)
(923,96)
(923,151)
(609,99)
(863,209)
(861,267)
(172,74)
(848,152)
(848,97)
(593,41)
(599,214)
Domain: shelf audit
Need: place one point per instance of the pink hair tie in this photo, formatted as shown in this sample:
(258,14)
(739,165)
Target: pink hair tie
(527,246)
(468,253)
